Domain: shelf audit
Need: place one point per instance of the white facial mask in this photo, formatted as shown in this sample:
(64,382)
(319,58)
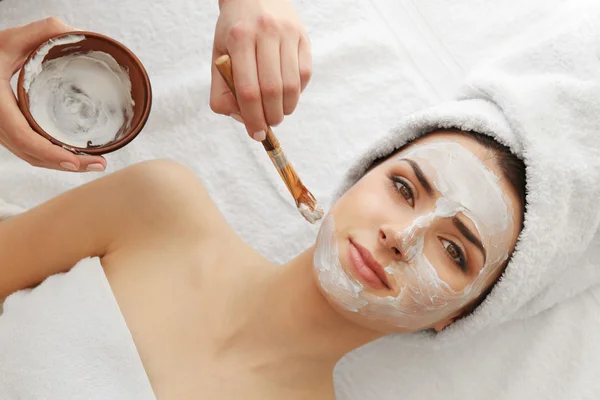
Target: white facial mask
(466,186)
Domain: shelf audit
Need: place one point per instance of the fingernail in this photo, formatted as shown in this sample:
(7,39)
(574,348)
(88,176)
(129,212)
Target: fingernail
(260,136)
(69,166)
(95,167)
(237,117)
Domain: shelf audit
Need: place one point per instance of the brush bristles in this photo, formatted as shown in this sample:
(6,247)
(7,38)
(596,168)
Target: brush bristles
(305,201)
(293,182)
(291,179)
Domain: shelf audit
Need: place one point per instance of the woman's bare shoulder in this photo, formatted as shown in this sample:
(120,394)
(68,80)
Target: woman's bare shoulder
(151,203)
(172,199)
(173,221)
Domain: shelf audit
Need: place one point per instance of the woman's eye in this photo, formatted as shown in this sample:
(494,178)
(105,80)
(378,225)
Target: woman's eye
(455,253)
(404,189)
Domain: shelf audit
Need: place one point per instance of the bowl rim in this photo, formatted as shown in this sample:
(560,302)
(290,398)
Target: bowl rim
(132,133)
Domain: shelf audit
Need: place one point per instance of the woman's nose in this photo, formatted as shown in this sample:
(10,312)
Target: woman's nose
(388,239)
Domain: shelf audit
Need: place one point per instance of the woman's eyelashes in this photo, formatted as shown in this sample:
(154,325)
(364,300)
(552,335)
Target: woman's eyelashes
(403,187)
(456,254)
(452,250)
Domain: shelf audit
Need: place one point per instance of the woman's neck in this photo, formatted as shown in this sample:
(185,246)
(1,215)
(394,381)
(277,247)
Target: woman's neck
(281,326)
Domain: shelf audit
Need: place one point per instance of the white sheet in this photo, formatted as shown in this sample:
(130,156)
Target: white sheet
(374,62)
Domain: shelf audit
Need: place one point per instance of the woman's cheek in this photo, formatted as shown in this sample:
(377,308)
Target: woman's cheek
(363,206)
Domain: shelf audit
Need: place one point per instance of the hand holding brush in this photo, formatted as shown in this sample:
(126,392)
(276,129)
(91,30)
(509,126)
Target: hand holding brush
(305,201)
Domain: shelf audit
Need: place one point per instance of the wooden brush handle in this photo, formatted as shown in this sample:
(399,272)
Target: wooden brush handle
(223,65)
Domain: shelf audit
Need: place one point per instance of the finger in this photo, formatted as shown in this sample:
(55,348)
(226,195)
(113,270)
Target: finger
(242,51)
(12,149)
(85,165)
(269,76)
(55,157)
(290,72)
(222,100)
(19,135)
(52,156)
(304,62)
(23,156)
(91,163)
(24,39)
(27,144)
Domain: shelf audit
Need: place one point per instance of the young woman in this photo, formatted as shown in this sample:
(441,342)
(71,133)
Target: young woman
(411,246)
(426,222)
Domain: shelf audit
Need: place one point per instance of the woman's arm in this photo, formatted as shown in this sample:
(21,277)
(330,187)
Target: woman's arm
(125,208)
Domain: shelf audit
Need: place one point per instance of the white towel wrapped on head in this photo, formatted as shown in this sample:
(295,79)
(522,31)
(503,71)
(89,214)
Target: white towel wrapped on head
(542,99)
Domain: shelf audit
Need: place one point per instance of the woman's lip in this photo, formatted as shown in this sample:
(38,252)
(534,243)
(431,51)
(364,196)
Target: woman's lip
(367,267)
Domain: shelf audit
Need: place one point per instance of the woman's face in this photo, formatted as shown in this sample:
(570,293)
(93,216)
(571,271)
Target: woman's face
(419,237)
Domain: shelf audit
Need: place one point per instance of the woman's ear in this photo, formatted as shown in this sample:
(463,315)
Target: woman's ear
(442,324)
(439,326)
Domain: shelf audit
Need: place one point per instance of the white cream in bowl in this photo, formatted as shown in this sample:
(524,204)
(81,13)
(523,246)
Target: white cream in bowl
(81,99)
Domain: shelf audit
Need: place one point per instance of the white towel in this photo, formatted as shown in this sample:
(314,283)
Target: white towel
(66,339)
(8,210)
(541,97)
(374,62)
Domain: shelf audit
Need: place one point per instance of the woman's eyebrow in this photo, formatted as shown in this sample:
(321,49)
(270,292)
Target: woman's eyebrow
(462,228)
(420,176)
(469,235)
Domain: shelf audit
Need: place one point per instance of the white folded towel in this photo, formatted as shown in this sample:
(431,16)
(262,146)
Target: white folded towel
(8,210)
(66,339)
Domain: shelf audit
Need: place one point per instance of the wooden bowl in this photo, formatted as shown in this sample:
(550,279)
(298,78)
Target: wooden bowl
(141,91)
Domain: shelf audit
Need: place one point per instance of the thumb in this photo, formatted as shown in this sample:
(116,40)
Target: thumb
(222,100)
(24,39)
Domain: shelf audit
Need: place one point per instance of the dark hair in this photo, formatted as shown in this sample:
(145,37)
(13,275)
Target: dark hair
(513,169)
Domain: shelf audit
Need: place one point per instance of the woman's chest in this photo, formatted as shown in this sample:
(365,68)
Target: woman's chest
(169,300)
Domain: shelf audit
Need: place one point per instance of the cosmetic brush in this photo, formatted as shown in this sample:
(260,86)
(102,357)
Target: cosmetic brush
(305,201)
